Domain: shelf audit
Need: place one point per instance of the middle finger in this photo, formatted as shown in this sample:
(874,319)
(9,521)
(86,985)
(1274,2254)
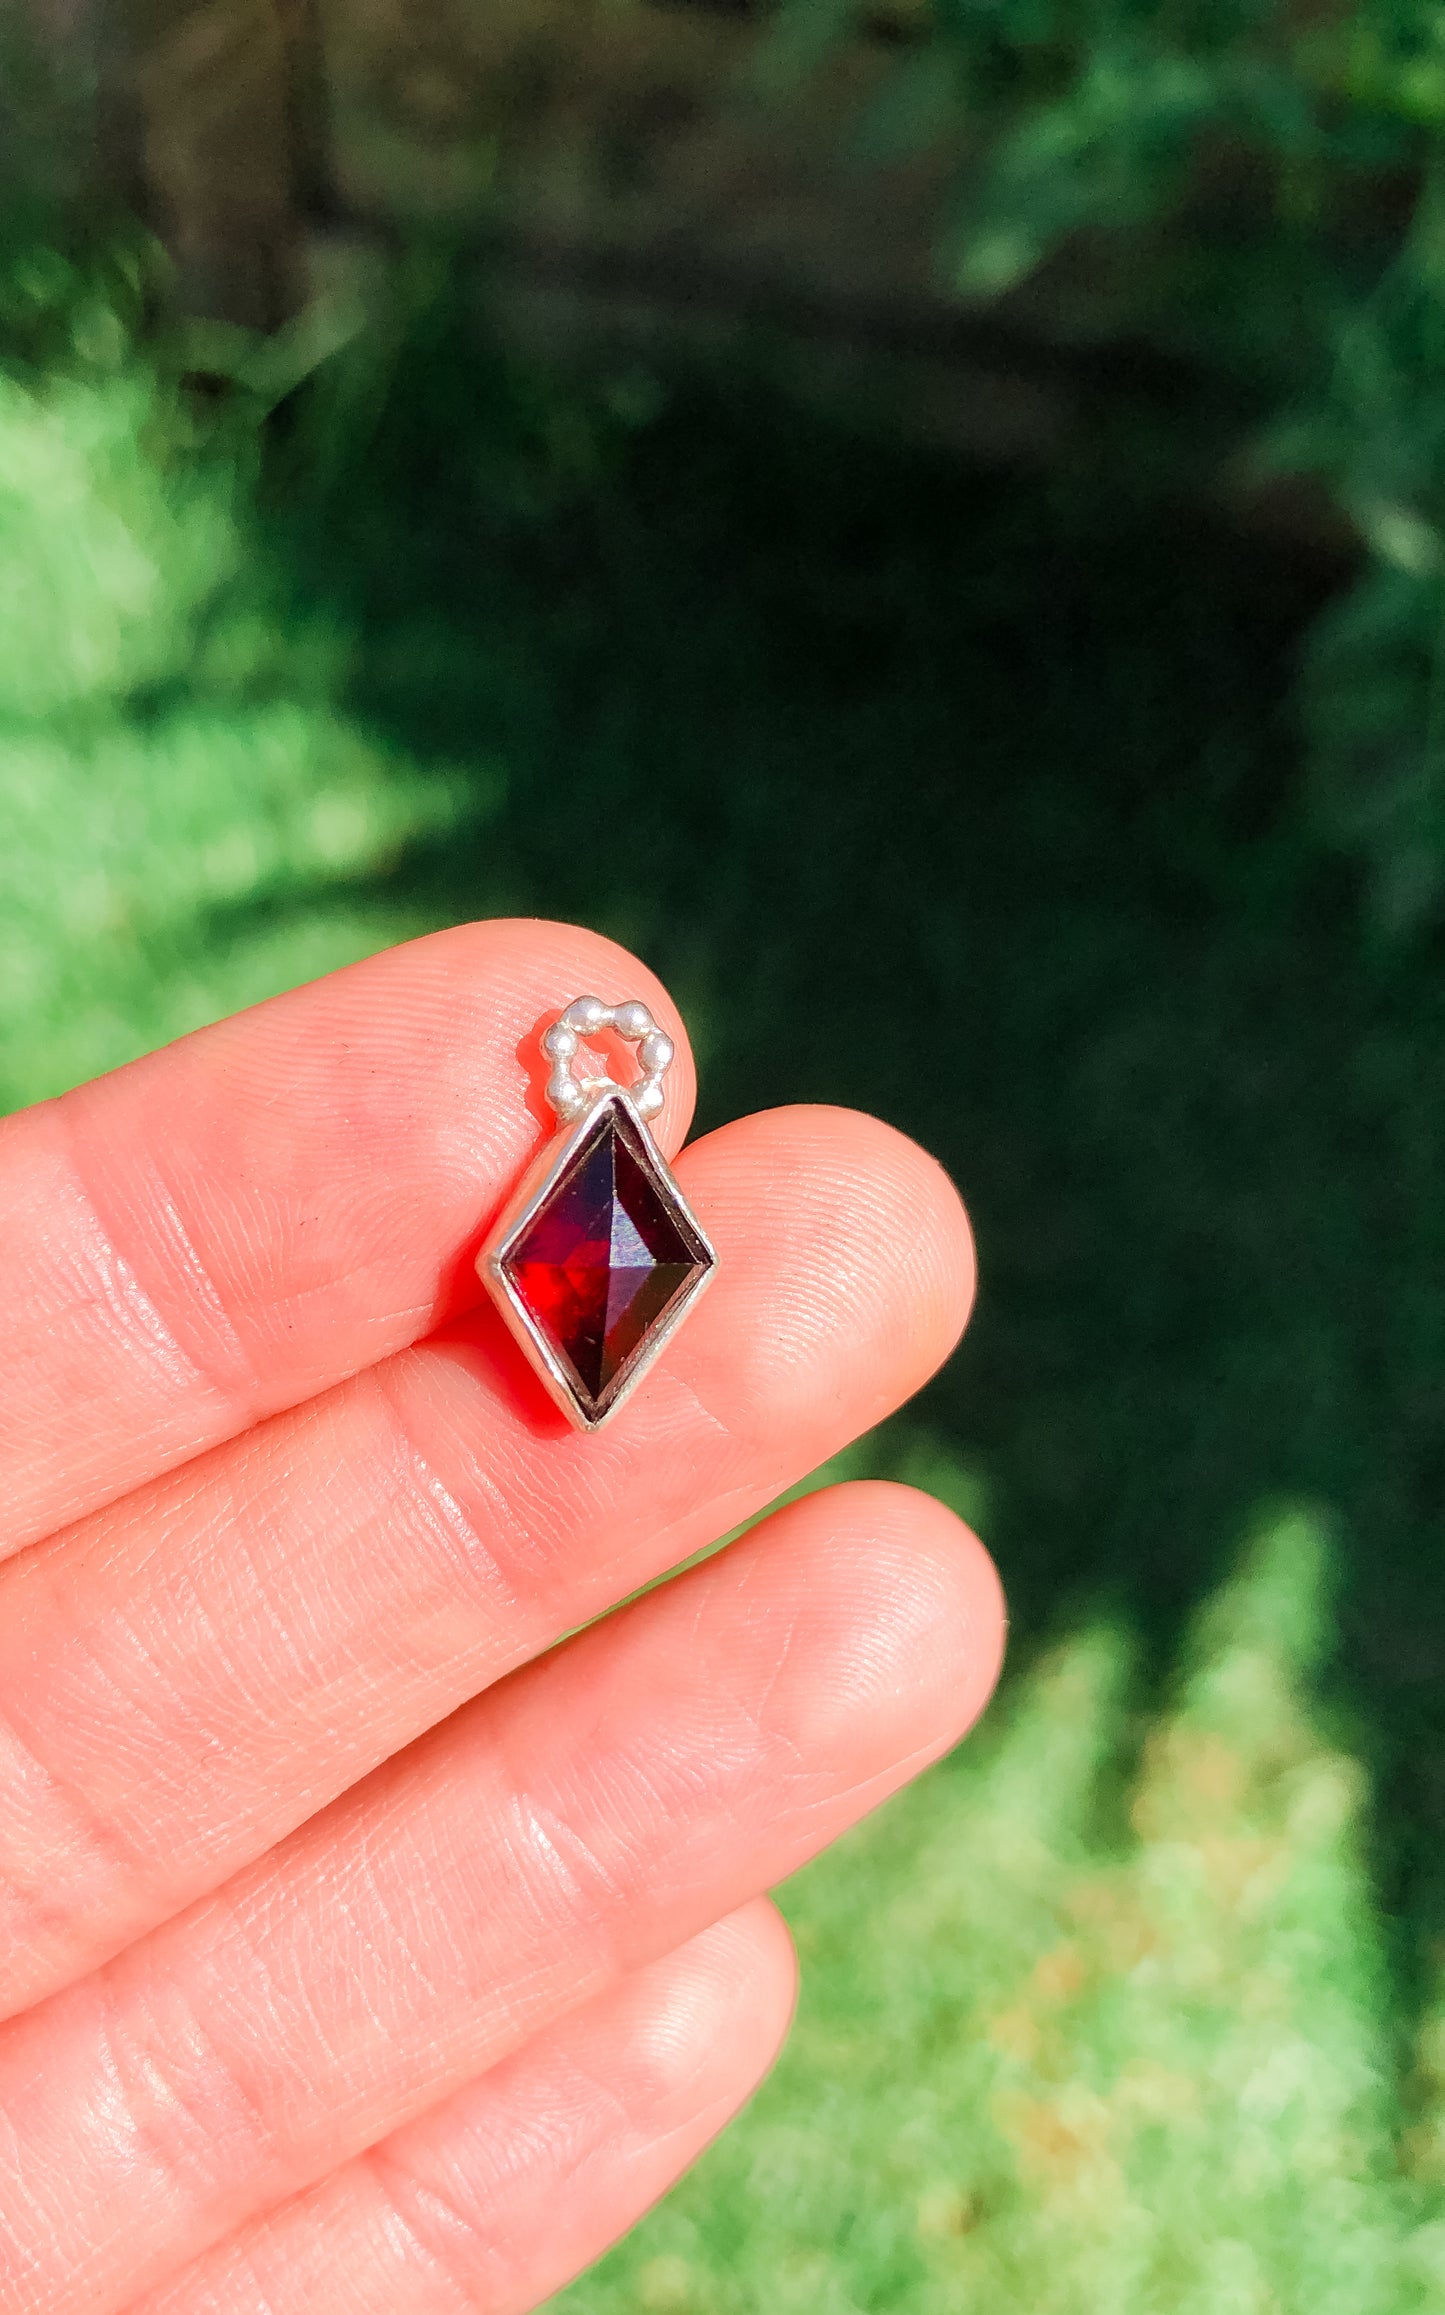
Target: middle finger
(186,1676)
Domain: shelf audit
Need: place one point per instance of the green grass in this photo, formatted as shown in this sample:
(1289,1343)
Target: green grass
(1048,2063)
(183,809)
(1135,2003)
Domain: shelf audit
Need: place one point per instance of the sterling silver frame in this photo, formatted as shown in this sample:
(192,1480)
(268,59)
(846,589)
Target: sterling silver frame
(529,1194)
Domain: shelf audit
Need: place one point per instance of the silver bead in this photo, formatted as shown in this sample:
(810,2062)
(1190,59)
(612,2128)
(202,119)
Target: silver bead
(655,1052)
(585,1015)
(560,1042)
(564,1093)
(632,1021)
(648,1097)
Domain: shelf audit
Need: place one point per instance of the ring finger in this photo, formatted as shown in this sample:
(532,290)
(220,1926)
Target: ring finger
(592,1813)
(503,2193)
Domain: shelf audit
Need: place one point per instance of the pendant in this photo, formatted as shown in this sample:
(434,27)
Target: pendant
(597,1256)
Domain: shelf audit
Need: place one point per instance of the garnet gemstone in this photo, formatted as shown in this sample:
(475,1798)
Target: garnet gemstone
(605,1258)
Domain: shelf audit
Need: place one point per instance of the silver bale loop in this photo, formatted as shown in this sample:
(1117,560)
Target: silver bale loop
(586,1017)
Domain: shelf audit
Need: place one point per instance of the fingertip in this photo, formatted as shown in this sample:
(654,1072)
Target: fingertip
(912,1231)
(710,2018)
(897,1622)
(879,1259)
(928,1211)
(754,1947)
(958,1592)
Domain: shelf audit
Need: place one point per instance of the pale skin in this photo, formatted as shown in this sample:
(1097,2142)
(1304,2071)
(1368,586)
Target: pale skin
(362,1953)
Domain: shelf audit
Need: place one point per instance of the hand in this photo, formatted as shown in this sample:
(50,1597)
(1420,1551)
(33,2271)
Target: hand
(349,1968)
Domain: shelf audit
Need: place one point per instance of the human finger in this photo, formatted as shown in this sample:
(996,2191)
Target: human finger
(497,2197)
(593,1812)
(186,1676)
(227,1227)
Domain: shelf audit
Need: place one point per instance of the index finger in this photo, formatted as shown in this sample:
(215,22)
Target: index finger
(225,1228)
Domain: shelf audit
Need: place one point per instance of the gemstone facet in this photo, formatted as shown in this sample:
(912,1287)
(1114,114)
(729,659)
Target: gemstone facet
(600,1265)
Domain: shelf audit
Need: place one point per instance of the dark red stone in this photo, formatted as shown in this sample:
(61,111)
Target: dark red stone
(605,1257)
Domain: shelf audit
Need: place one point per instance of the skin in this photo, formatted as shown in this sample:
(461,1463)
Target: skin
(360,1948)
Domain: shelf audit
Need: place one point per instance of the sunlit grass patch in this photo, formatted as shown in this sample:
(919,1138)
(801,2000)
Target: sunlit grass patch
(188,818)
(1055,2063)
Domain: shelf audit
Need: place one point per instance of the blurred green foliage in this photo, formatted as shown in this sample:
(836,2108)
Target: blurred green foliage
(1257,188)
(1134,2002)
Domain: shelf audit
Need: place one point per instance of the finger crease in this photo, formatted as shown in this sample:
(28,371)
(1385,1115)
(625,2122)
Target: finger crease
(457,2254)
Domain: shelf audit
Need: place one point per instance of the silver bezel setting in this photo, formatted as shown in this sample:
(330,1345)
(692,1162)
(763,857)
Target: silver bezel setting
(531,1193)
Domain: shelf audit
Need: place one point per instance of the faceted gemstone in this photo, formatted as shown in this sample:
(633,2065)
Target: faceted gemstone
(604,1258)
